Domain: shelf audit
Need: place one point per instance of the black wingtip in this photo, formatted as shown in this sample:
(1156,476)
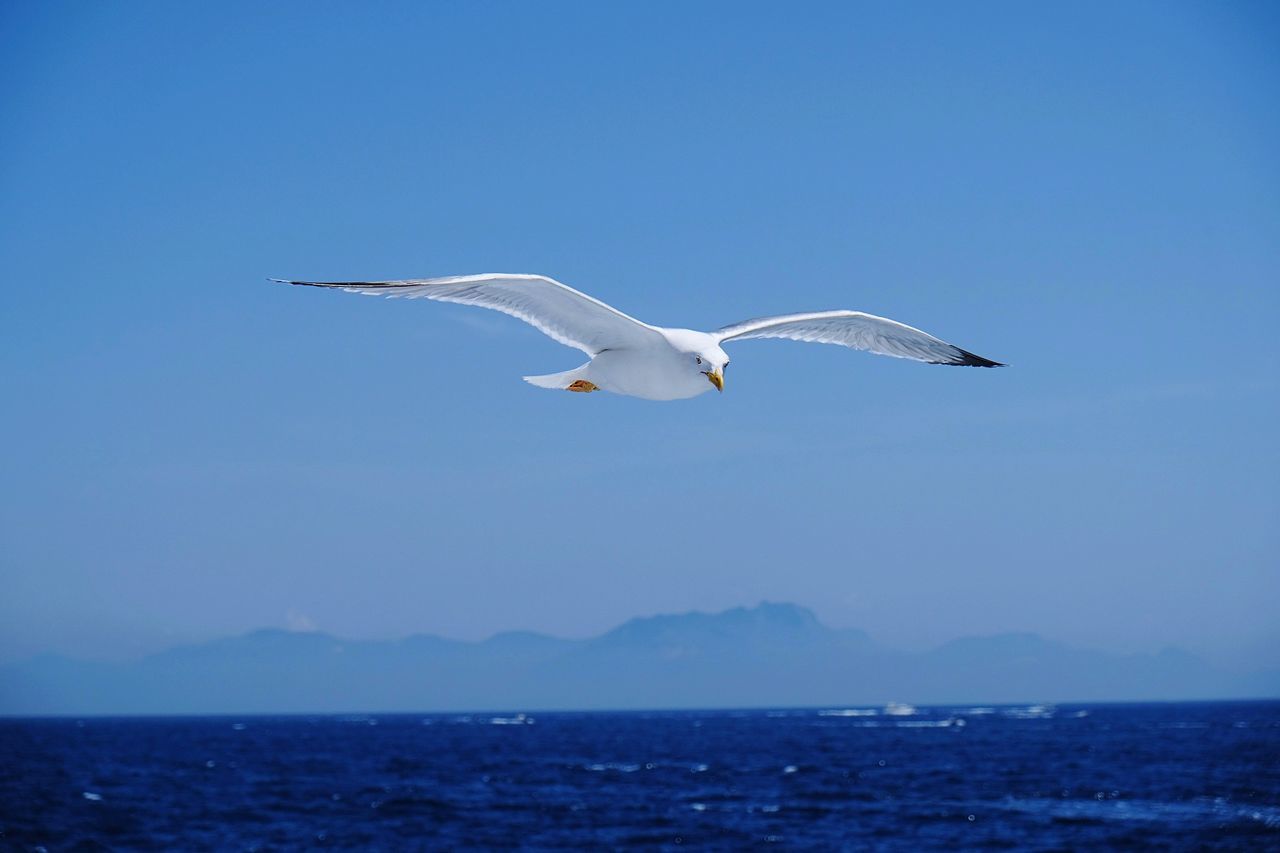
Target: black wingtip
(310,283)
(968,359)
(368,285)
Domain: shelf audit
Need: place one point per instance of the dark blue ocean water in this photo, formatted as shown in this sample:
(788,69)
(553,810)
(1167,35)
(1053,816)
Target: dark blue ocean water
(1170,775)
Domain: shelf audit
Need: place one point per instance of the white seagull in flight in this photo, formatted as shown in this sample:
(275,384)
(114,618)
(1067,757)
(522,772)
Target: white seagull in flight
(633,358)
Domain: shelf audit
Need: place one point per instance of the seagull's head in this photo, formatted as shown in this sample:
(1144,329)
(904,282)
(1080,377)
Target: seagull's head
(710,362)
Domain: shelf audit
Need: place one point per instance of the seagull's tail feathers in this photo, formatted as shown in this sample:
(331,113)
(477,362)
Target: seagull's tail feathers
(559,381)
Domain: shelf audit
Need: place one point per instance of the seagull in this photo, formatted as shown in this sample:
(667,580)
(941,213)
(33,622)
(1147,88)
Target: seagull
(652,362)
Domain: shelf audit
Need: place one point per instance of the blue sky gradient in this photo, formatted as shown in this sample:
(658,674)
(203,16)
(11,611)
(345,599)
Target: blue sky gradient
(1090,192)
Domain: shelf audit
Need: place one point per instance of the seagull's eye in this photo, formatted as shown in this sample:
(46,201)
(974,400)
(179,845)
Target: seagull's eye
(699,359)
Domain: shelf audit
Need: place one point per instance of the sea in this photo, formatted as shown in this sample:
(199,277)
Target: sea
(1176,776)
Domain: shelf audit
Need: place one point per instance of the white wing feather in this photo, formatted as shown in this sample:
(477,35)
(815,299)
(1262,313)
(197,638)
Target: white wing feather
(557,310)
(855,330)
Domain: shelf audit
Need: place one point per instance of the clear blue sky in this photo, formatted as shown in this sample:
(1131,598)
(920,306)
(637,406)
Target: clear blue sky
(1090,192)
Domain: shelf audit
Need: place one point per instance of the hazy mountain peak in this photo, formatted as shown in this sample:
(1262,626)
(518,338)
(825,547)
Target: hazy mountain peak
(779,614)
(776,621)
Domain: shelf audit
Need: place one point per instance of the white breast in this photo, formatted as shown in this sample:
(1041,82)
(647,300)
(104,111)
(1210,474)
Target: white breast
(652,374)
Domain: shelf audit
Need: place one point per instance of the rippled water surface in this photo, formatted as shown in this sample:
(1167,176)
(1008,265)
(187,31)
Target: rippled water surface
(1177,775)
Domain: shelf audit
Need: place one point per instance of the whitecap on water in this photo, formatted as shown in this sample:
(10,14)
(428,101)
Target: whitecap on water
(930,724)
(1031,712)
(900,709)
(90,795)
(790,768)
(517,720)
(1110,808)
(849,712)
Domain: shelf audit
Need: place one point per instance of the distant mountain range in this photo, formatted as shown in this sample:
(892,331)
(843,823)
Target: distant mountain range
(771,655)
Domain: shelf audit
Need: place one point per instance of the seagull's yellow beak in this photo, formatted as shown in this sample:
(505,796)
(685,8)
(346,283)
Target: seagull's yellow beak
(716,378)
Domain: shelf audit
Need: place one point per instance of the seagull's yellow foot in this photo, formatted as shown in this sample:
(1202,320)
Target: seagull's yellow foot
(583,386)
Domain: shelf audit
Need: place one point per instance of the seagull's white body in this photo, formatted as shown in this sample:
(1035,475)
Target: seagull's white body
(658,371)
(655,363)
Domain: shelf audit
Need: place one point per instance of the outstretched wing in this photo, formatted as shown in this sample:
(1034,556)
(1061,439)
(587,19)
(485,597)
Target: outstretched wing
(856,330)
(557,310)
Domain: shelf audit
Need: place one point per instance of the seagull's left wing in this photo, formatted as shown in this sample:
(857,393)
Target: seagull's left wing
(856,330)
(557,310)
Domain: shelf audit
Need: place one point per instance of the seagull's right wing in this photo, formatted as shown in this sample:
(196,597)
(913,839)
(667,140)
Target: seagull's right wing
(557,310)
(856,330)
